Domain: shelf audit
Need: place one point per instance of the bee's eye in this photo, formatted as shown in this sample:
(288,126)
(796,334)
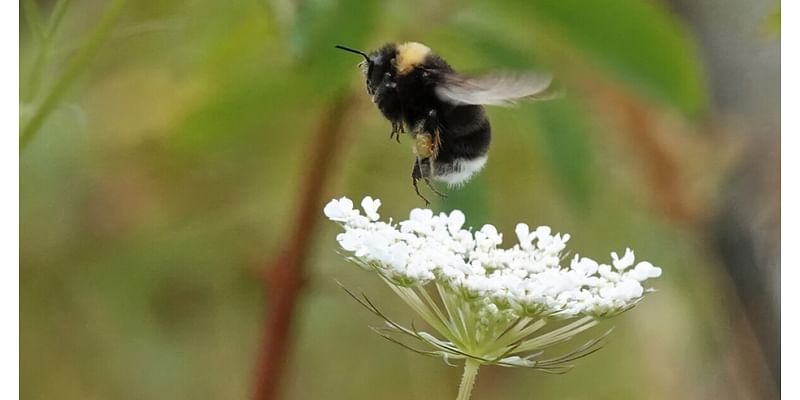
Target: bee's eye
(370,68)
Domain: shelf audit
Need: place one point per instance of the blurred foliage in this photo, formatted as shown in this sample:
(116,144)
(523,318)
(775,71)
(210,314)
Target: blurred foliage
(773,21)
(637,40)
(164,176)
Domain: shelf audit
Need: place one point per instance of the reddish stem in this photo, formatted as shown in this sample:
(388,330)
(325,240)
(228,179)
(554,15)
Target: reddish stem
(284,277)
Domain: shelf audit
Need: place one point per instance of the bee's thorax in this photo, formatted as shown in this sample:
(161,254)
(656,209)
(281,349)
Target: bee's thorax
(409,55)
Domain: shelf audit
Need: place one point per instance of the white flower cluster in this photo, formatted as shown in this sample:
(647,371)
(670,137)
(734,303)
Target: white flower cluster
(525,280)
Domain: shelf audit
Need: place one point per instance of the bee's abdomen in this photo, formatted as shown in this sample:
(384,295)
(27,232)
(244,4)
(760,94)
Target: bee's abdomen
(459,171)
(463,152)
(465,136)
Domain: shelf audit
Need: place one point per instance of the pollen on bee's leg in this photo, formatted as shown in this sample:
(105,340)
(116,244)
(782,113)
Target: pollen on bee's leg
(423,145)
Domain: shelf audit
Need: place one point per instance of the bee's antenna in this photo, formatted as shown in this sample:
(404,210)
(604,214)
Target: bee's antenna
(366,57)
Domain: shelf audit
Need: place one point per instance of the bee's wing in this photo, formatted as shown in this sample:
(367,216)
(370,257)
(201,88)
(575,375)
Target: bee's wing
(495,88)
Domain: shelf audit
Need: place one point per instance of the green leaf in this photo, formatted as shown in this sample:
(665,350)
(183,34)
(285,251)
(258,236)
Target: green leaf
(638,41)
(502,53)
(565,143)
(322,24)
(232,116)
(472,199)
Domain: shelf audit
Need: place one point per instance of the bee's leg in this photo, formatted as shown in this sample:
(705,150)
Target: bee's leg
(432,127)
(427,177)
(400,130)
(436,145)
(416,175)
(433,188)
(397,129)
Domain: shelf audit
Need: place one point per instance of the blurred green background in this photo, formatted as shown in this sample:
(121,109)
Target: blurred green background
(167,147)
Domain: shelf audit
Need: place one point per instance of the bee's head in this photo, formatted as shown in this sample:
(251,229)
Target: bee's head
(378,67)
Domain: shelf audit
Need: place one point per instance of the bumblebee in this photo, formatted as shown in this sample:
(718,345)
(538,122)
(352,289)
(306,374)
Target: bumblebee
(418,91)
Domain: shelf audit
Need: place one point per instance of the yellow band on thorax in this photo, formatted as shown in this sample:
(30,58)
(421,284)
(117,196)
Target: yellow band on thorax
(409,55)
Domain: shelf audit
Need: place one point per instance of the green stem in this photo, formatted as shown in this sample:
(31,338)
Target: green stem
(55,19)
(468,379)
(32,15)
(73,69)
(42,57)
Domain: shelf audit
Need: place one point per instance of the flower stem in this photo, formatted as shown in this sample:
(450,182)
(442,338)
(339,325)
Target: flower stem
(468,379)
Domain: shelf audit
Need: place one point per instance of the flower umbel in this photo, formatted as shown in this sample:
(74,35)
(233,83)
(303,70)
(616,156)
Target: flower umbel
(489,305)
